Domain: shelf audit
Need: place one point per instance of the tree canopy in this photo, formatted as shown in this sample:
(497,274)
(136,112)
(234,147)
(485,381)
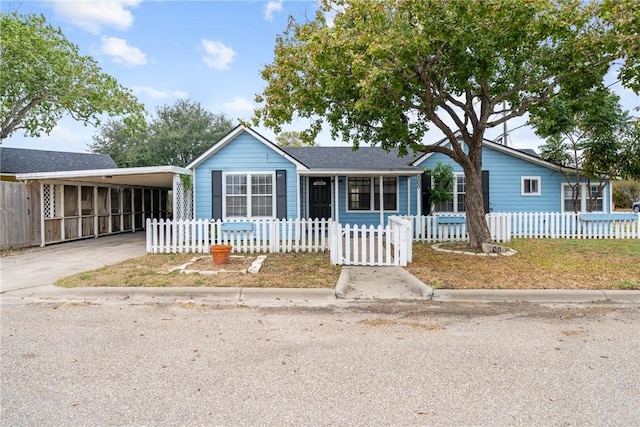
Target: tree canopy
(44,77)
(293,139)
(591,135)
(384,71)
(175,136)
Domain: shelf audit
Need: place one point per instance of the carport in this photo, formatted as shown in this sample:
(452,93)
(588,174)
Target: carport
(93,203)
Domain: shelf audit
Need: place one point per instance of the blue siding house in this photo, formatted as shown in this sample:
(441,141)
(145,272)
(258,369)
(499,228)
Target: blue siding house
(518,181)
(246,176)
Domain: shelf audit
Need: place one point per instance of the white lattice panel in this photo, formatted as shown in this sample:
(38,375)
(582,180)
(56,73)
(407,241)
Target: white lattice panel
(52,200)
(183,208)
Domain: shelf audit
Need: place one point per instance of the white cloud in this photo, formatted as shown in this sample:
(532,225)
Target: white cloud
(120,51)
(271,8)
(238,104)
(217,55)
(159,93)
(93,15)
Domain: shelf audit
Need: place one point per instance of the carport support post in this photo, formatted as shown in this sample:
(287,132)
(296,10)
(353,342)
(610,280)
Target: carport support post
(41,215)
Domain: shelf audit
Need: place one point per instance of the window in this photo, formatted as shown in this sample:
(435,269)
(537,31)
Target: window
(249,195)
(584,199)
(364,194)
(530,186)
(596,199)
(458,190)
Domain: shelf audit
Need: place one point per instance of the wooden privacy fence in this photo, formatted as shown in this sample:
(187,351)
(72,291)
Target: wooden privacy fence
(19,215)
(255,236)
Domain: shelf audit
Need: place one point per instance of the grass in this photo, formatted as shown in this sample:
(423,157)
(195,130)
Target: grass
(290,270)
(539,264)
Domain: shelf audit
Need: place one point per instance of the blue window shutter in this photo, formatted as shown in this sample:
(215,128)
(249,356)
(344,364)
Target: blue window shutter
(216,194)
(281,194)
(485,190)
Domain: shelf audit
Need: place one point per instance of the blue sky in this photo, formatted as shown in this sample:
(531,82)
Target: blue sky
(208,51)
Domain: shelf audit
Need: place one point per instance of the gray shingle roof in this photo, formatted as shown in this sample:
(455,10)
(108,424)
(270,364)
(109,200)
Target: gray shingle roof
(21,160)
(344,158)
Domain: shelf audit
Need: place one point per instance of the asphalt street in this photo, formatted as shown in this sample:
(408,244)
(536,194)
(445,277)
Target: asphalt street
(413,363)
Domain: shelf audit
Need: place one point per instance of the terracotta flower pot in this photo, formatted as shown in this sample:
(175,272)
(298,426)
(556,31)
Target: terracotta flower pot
(220,253)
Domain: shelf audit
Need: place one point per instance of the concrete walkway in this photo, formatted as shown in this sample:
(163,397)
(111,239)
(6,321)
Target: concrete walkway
(29,276)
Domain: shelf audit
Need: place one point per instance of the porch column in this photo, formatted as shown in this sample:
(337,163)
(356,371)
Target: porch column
(335,199)
(380,184)
(408,194)
(298,194)
(419,195)
(175,186)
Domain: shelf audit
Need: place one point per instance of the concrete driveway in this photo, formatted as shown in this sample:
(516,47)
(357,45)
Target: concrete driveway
(42,266)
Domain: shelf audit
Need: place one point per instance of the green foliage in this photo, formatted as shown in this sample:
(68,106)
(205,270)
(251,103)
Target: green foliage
(176,136)
(442,178)
(590,134)
(625,193)
(44,77)
(384,71)
(293,139)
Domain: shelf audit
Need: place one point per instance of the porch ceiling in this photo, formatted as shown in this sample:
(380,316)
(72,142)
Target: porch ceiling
(156,176)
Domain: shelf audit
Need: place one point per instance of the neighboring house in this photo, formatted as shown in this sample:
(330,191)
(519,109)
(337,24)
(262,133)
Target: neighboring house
(20,160)
(245,176)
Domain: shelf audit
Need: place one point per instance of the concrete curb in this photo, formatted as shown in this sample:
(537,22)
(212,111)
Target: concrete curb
(537,296)
(424,290)
(342,285)
(315,297)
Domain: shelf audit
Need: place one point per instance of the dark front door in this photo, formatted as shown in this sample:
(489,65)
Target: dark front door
(319,197)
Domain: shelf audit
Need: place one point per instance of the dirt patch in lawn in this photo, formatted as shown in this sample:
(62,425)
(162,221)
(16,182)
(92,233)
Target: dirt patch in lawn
(235,265)
(284,270)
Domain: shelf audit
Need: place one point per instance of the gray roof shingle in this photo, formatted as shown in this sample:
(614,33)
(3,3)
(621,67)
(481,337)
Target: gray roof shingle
(21,160)
(344,158)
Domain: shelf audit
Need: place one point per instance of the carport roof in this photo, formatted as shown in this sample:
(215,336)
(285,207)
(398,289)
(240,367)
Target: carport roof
(154,176)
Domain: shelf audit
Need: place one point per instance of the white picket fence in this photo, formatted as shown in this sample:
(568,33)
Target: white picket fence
(390,245)
(504,226)
(571,226)
(355,245)
(379,246)
(453,228)
(255,236)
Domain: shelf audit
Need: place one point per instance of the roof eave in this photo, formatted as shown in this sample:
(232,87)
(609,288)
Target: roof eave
(363,172)
(39,176)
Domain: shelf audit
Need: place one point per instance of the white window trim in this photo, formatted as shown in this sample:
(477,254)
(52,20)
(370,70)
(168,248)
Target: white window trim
(530,178)
(584,198)
(455,194)
(372,198)
(248,195)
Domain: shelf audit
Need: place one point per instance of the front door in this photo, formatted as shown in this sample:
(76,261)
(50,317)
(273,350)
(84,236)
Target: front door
(319,197)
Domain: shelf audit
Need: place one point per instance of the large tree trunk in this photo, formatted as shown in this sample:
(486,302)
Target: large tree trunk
(474,206)
(474,203)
